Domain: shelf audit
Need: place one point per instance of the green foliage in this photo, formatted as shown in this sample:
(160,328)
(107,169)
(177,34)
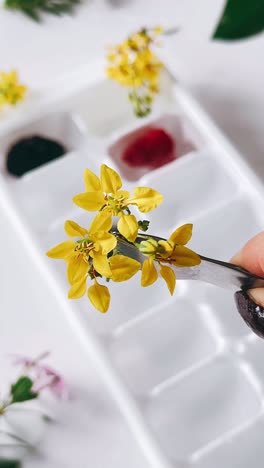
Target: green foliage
(240,19)
(143,225)
(34,8)
(5,463)
(22,390)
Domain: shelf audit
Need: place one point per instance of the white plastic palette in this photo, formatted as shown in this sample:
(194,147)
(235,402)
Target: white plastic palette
(185,371)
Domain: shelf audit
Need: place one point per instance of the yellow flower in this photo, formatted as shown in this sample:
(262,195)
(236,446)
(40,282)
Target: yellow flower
(158,30)
(172,252)
(11,91)
(133,64)
(104,194)
(99,296)
(87,256)
(123,268)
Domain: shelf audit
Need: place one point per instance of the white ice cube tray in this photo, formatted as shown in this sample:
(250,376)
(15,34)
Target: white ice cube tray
(185,371)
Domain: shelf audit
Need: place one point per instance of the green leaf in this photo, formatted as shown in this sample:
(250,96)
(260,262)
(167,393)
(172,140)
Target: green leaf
(240,19)
(21,390)
(143,225)
(5,463)
(34,8)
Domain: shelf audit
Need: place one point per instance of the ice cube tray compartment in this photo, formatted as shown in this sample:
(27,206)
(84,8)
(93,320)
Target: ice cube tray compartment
(241,451)
(223,231)
(162,345)
(44,195)
(184,136)
(198,409)
(64,127)
(89,101)
(252,353)
(186,194)
(49,189)
(175,365)
(128,300)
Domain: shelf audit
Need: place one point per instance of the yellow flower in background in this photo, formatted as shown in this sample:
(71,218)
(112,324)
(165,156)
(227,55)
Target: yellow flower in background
(87,256)
(133,64)
(104,194)
(11,91)
(168,252)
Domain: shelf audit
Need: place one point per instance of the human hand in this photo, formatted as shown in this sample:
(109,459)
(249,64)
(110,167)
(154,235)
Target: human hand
(250,303)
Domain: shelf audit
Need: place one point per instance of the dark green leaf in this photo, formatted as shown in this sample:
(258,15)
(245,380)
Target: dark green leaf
(21,390)
(34,8)
(5,463)
(143,225)
(240,19)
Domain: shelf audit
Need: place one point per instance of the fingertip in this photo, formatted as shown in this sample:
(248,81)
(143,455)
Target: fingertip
(251,256)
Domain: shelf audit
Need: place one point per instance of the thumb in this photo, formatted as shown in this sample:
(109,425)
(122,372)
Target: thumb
(251,257)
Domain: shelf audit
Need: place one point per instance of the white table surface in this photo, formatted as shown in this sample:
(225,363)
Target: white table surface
(227,78)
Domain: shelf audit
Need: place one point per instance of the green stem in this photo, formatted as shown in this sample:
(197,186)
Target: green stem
(4,406)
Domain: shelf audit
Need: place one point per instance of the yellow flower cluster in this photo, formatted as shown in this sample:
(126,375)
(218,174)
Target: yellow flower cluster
(94,252)
(11,91)
(134,64)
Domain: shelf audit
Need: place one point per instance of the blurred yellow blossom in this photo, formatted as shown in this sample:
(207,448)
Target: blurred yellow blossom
(11,91)
(134,64)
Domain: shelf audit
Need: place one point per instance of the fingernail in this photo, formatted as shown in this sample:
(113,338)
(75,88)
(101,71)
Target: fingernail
(257,296)
(251,312)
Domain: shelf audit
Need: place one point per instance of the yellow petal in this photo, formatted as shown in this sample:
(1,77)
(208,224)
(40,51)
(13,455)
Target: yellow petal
(165,247)
(77,290)
(149,247)
(104,242)
(90,201)
(101,222)
(74,230)
(146,199)
(77,269)
(91,182)
(63,250)
(182,235)
(99,296)
(101,264)
(110,180)
(128,227)
(123,268)
(184,257)
(122,194)
(149,273)
(169,276)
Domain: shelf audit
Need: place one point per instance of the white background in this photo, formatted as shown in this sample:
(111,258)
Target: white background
(227,79)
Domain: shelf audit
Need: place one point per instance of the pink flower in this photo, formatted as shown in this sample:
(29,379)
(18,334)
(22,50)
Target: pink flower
(27,361)
(43,376)
(49,378)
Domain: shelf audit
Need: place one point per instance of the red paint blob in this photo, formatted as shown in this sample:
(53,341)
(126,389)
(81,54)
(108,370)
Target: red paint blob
(152,149)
